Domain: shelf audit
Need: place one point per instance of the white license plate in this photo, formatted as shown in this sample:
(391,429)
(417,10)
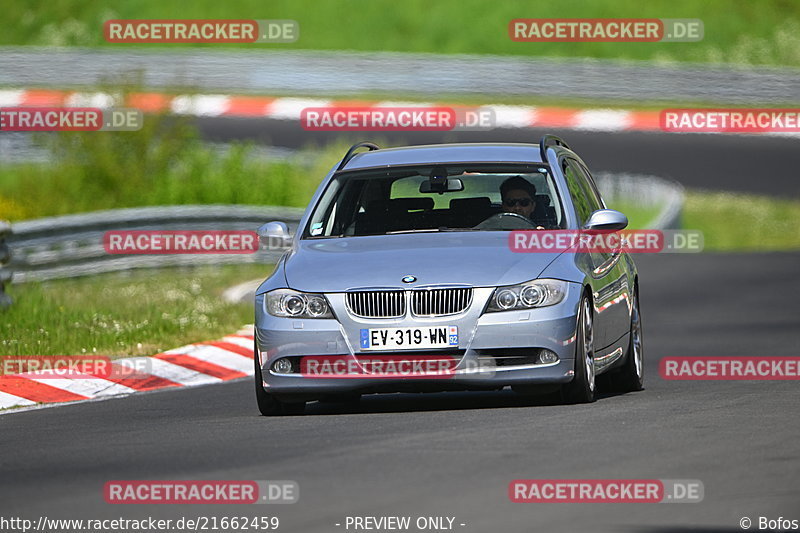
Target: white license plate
(409,338)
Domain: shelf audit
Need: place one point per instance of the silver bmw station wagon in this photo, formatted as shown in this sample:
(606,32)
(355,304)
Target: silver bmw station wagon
(402,277)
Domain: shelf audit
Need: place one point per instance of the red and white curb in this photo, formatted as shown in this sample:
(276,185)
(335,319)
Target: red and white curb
(201,363)
(289,108)
(220,105)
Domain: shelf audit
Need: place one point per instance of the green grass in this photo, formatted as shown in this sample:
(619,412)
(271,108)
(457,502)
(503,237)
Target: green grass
(765,32)
(639,217)
(743,222)
(163,164)
(26,191)
(140,312)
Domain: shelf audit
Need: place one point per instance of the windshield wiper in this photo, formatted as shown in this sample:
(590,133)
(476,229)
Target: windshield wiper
(427,230)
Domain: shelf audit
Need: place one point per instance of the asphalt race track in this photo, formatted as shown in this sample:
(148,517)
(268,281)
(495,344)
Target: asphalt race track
(454,454)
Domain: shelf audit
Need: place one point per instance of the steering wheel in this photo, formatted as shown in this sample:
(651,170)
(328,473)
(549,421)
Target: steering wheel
(506,221)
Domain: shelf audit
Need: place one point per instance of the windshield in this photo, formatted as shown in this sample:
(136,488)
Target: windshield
(401,201)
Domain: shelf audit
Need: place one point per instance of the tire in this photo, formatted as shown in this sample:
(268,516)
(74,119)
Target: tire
(267,403)
(582,387)
(630,376)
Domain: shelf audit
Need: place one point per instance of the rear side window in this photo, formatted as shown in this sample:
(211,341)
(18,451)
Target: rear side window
(583,194)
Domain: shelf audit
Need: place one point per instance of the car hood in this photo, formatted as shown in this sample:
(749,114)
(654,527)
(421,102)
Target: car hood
(479,259)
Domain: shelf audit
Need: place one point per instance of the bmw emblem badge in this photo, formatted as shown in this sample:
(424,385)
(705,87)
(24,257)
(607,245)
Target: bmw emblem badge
(409,279)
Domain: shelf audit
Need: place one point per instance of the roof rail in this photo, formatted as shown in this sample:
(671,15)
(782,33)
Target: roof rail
(351,152)
(557,141)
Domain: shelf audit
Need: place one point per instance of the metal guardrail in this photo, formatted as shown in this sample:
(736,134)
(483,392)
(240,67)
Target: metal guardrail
(5,274)
(306,72)
(650,192)
(70,246)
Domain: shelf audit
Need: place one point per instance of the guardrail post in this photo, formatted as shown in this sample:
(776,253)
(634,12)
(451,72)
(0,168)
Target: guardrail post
(5,255)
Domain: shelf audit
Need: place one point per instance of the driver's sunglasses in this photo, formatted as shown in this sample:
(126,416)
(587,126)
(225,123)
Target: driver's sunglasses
(524,202)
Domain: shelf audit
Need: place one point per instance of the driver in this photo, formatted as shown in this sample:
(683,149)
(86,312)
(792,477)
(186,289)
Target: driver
(518,196)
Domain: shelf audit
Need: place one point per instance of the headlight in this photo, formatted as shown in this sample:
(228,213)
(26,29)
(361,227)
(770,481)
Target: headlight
(536,293)
(294,304)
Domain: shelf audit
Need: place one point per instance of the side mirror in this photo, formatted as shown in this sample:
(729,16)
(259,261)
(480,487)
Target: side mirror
(276,234)
(606,219)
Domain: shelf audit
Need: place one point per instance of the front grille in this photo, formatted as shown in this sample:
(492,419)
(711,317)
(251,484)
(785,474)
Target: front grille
(424,302)
(440,302)
(376,304)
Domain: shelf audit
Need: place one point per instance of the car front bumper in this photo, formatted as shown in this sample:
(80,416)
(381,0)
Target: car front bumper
(483,340)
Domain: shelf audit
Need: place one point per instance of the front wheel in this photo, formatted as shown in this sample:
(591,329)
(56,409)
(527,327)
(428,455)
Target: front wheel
(630,377)
(267,403)
(582,387)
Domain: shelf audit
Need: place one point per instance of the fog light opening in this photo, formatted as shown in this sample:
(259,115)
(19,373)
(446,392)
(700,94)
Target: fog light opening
(547,357)
(282,366)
